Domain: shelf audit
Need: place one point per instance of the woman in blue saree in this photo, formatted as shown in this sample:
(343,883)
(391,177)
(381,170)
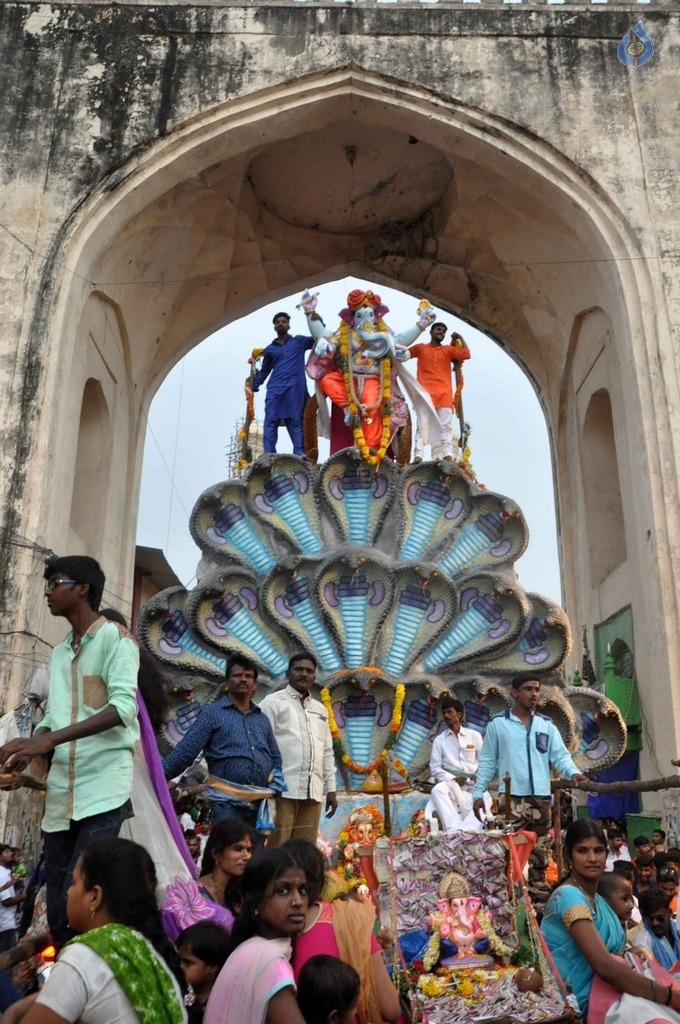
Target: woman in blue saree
(586,938)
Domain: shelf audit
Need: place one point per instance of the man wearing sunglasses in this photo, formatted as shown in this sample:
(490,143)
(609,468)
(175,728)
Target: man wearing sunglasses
(90,727)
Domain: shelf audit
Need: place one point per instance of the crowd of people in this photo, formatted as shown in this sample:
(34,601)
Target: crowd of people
(120,966)
(620,973)
(254,933)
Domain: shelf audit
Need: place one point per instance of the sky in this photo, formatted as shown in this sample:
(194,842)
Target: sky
(196,411)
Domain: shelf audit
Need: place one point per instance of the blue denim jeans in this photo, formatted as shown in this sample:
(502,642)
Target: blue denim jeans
(223,809)
(62,850)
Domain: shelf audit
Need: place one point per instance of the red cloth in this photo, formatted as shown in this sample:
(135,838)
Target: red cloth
(342,436)
(333,386)
(522,852)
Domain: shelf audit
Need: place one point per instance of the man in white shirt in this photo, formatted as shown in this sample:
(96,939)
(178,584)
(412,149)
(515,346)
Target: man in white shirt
(8,899)
(453,763)
(617,849)
(300,727)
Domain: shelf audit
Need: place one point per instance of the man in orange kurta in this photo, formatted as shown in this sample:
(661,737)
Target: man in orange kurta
(435,364)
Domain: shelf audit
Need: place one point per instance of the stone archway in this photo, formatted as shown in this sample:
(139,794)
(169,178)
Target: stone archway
(438,198)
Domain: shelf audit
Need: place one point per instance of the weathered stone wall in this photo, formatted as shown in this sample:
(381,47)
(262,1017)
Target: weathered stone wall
(168,168)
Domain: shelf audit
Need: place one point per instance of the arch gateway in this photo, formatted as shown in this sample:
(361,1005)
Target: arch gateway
(168,168)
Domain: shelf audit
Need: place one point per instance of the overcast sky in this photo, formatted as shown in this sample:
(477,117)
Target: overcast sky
(196,410)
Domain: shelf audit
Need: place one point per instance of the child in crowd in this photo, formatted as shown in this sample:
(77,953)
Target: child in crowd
(203,949)
(328,991)
(617,890)
(659,840)
(645,874)
(642,846)
(625,869)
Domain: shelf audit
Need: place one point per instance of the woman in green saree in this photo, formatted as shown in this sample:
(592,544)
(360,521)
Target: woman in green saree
(119,967)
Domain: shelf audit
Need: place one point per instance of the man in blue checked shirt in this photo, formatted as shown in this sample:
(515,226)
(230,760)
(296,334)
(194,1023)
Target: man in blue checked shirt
(237,743)
(525,745)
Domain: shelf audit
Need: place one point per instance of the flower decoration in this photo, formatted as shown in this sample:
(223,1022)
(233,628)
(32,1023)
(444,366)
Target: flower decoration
(365,825)
(430,986)
(184,906)
(384,755)
(356,409)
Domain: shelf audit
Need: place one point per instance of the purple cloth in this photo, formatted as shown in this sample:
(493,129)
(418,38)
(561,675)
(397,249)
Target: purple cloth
(153,763)
(187,904)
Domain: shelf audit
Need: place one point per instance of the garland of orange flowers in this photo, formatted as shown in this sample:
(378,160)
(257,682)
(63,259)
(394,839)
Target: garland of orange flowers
(344,360)
(243,433)
(457,342)
(459,391)
(384,755)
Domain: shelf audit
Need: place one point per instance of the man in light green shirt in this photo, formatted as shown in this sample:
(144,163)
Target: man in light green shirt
(90,723)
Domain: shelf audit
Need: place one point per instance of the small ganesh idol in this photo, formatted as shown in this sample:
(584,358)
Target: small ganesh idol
(355,847)
(460,930)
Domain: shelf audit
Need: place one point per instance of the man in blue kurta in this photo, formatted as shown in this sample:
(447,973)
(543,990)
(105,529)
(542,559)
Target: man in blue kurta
(525,745)
(287,394)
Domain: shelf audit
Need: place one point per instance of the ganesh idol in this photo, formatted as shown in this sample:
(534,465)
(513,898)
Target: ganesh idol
(359,368)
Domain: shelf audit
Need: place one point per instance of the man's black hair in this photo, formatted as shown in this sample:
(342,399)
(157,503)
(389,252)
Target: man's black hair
(242,662)
(644,860)
(302,656)
(277,315)
(453,702)
(641,841)
(652,900)
(82,569)
(623,867)
(438,324)
(524,677)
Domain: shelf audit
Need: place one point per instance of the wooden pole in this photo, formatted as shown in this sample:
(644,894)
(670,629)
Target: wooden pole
(384,772)
(25,949)
(636,786)
(508,809)
(557,832)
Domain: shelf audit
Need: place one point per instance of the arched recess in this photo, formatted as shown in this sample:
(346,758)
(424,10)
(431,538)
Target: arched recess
(602,490)
(185,237)
(93,466)
(188,235)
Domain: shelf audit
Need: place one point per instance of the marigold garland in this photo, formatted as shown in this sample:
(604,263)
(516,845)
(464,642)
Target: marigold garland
(459,392)
(344,361)
(430,986)
(384,755)
(496,943)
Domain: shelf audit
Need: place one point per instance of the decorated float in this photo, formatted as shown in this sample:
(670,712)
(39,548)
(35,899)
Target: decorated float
(400,580)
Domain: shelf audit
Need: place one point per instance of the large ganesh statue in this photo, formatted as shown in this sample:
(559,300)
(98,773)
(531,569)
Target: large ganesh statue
(403,586)
(358,368)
